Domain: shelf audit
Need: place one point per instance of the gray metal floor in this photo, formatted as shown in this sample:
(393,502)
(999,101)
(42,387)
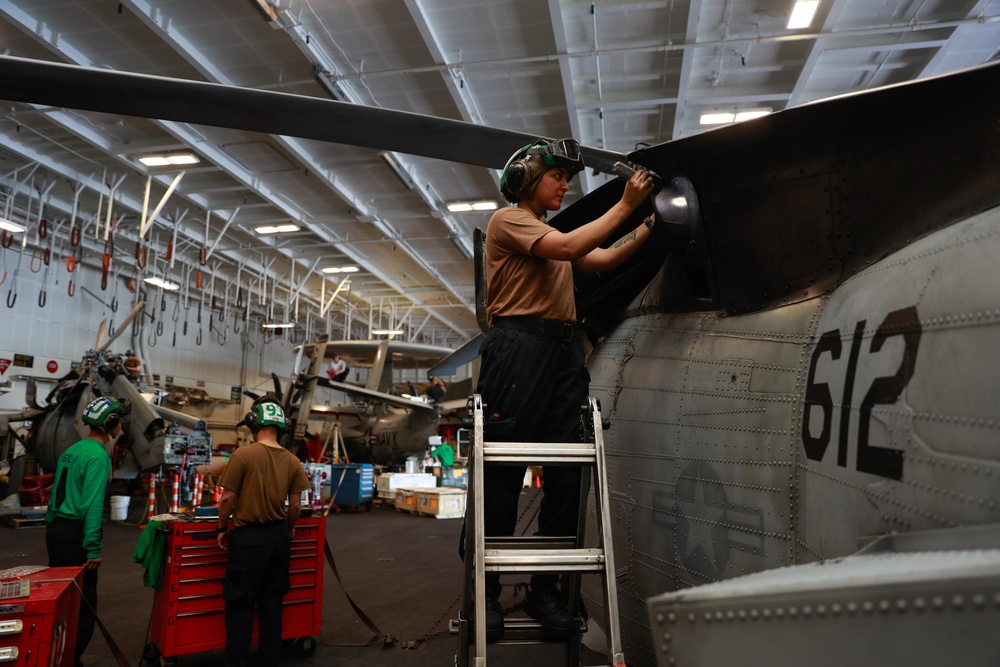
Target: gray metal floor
(402,570)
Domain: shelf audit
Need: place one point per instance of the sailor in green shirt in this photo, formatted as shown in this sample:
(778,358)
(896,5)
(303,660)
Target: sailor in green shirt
(445,454)
(73,520)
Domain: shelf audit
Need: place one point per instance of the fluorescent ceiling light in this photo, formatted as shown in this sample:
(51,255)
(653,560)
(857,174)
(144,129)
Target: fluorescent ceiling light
(11,226)
(280,229)
(165,284)
(387,332)
(717,118)
(802,14)
(283,325)
(169,159)
(466,206)
(340,269)
(751,114)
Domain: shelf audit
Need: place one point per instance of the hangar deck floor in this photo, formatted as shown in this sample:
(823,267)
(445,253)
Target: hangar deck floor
(402,570)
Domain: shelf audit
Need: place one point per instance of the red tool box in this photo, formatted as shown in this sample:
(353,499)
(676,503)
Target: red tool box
(41,629)
(188,609)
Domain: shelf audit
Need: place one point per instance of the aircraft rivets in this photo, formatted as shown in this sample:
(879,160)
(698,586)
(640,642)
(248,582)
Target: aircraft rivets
(691,618)
(779,613)
(920,604)
(672,617)
(938,603)
(884,606)
(807,611)
(666,637)
(852,608)
(659,618)
(978,600)
(901,606)
(835,609)
(708,617)
(867,607)
(958,602)
(821,610)
(730,616)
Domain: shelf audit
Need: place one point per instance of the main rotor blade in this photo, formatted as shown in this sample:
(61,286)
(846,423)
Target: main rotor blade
(123,326)
(147,96)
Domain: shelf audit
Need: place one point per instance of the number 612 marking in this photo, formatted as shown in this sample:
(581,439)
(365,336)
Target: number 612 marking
(883,391)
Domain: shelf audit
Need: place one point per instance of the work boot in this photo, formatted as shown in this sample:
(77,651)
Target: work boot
(546,606)
(494,620)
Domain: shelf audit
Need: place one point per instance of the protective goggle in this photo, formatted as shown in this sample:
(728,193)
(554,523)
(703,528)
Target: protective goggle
(563,153)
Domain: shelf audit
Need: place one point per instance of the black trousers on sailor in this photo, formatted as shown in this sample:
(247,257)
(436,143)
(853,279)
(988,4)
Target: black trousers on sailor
(540,383)
(64,542)
(257,572)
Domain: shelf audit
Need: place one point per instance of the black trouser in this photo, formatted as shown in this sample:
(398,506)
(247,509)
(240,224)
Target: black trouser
(540,382)
(64,542)
(257,571)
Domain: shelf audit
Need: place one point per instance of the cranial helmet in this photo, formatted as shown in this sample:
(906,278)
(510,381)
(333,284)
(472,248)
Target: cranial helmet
(265,411)
(106,413)
(527,165)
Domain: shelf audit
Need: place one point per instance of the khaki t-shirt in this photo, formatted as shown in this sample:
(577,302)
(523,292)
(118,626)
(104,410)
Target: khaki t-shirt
(262,478)
(517,282)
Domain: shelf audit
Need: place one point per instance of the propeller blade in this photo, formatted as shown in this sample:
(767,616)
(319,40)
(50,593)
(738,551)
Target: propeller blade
(123,327)
(146,96)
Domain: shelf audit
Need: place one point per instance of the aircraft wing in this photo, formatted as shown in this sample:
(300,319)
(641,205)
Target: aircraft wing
(463,355)
(360,392)
(363,352)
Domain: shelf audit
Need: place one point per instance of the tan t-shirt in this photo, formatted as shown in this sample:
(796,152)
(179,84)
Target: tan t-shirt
(517,282)
(262,478)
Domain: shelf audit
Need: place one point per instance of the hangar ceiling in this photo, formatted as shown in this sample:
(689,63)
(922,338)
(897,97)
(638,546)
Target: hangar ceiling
(615,75)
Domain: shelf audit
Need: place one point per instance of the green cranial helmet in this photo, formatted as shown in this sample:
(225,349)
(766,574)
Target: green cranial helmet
(528,163)
(268,412)
(99,410)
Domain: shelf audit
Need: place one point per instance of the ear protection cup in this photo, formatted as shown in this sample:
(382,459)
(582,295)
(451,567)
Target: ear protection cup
(518,175)
(113,420)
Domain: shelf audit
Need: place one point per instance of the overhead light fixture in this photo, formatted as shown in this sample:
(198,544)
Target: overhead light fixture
(751,114)
(387,332)
(398,170)
(331,87)
(726,117)
(279,229)
(9,226)
(463,244)
(340,269)
(283,325)
(717,118)
(802,15)
(160,282)
(466,206)
(169,159)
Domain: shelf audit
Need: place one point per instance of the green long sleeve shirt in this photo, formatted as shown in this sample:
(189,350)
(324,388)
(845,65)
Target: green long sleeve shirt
(81,479)
(445,454)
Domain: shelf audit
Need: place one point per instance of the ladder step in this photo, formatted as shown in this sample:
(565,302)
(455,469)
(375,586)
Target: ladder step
(543,560)
(540,453)
(530,542)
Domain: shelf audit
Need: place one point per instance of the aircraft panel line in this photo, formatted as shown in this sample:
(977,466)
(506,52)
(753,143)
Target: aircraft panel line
(713,427)
(704,459)
(878,496)
(739,528)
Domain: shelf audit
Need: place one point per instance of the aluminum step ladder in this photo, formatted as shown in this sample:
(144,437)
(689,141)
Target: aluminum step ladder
(560,555)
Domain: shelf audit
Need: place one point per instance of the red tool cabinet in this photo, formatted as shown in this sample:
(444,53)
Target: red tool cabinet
(41,629)
(188,609)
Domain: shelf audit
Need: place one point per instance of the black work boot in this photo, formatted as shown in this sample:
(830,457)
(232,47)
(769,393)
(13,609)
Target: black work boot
(494,619)
(546,606)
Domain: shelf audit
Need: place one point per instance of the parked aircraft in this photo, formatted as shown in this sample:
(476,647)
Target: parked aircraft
(379,425)
(804,356)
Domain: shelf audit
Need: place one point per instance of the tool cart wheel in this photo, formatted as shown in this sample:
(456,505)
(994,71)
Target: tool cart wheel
(150,655)
(304,647)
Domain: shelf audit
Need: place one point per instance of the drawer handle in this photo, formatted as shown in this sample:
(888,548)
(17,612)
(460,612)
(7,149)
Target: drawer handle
(8,654)
(14,627)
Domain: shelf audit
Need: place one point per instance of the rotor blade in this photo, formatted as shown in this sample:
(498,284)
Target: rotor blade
(146,96)
(101,332)
(123,327)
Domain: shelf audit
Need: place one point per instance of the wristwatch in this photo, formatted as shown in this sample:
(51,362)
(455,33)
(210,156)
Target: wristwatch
(222,529)
(649,221)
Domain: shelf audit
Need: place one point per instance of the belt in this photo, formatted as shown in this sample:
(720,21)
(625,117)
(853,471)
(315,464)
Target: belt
(551,328)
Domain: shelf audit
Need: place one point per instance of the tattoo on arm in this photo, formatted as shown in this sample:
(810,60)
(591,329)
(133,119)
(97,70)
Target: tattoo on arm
(625,239)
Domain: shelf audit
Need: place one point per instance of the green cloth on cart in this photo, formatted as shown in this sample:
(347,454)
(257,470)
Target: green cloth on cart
(150,552)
